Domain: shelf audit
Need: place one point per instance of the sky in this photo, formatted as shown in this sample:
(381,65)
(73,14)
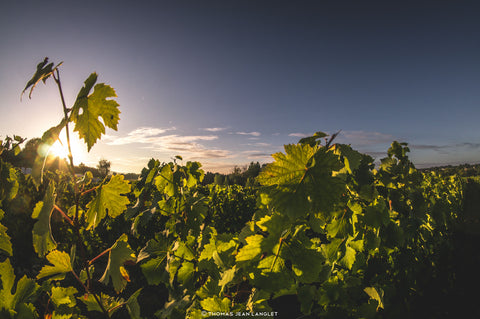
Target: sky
(230,82)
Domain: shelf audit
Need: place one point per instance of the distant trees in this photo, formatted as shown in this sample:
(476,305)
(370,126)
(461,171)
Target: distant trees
(103,167)
(240,176)
(30,152)
(10,149)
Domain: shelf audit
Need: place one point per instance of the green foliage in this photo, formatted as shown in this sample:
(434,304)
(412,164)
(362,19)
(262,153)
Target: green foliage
(17,304)
(321,229)
(61,264)
(119,254)
(43,241)
(89,108)
(109,199)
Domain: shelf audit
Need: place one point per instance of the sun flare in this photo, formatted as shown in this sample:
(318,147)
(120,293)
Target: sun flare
(60,149)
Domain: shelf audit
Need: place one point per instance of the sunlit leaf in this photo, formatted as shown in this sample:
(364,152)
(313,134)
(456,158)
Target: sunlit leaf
(44,71)
(133,306)
(118,255)
(25,291)
(108,199)
(43,241)
(61,265)
(7,278)
(108,302)
(89,109)
(5,243)
(376,294)
(215,304)
(64,296)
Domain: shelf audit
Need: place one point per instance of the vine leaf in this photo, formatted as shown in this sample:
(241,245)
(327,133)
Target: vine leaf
(43,241)
(44,71)
(49,137)
(88,109)
(301,179)
(289,168)
(9,181)
(215,304)
(8,278)
(251,250)
(154,268)
(109,303)
(5,244)
(61,265)
(376,294)
(119,254)
(227,276)
(109,198)
(24,293)
(64,296)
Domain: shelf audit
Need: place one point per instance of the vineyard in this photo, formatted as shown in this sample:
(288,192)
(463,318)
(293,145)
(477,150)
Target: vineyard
(326,234)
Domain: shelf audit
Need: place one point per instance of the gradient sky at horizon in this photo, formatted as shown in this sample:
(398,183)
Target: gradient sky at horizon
(229,82)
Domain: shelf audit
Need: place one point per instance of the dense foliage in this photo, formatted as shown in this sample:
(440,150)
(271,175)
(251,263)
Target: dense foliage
(323,235)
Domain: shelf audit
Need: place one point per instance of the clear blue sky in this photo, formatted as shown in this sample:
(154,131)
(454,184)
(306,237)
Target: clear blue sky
(229,82)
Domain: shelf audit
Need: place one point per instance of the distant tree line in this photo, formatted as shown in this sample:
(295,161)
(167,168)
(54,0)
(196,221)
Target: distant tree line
(463,170)
(244,176)
(25,158)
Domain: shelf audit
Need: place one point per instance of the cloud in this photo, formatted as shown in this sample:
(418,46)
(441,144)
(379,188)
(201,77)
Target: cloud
(249,133)
(364,137)
(262,144)
(298,134)
(376,155)
(143,135)
(446,149)
(257,155)
(215,129)
(188,146)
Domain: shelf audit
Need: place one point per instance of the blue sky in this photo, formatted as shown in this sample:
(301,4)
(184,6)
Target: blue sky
(229,82)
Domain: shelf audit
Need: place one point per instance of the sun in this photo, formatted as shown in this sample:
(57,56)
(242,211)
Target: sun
(60,149)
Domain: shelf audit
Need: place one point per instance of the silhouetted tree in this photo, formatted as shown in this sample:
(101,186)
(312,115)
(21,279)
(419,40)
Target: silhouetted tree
(30,152)
(218,180)
(103,167)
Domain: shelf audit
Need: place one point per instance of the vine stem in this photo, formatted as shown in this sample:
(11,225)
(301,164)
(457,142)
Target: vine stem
(75,223)
(56,77)
(89,190)
(99,256)
(63,214)
(89,292)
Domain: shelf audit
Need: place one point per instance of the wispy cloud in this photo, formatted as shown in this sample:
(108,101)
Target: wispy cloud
(299,134)
(143,135)
(364,137)
(187,145)
(258,155)
(215,129)
(376,154)
(249,133)
(447,148)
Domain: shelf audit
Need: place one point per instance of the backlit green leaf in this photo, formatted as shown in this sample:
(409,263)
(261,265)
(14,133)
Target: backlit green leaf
(89,109)
(118,255)
(376,294)
(5,243)
(108,302)
(44,71)
(43,241)
(215,304)
(61,265)
(64,296)
(252,249)
(7,278)
(108,199)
